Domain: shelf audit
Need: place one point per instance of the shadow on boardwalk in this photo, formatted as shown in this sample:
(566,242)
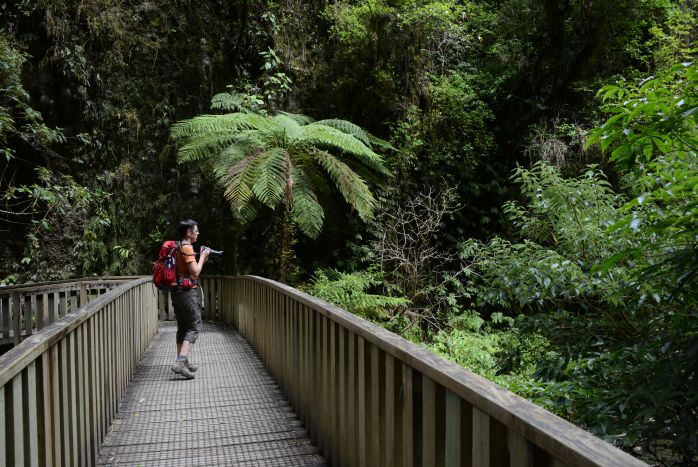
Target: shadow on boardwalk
(231,414)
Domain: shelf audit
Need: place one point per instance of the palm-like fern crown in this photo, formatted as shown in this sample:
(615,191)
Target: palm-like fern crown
(280,159)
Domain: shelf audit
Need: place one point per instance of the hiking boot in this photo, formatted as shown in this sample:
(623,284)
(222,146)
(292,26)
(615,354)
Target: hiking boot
(180,367)
(191,367)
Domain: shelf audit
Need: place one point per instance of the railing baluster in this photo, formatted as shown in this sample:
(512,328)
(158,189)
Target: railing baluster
(44,408)
(363,405)
(41,311)
(375,395)
(481,438)
(16,317)
(407,412)
(324,388)
(73,301)
(31,416)
(31,315)
(428,423)
(3,430)
(520,451)
(5,316)
(93,388)
(72,388)
(18,420)
(56,400)
(453,438)
(343,403)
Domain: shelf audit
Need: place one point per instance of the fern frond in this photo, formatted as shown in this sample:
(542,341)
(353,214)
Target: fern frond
(237,182)
(315,175)
(292,130)
(204,124)
(306,211)
(349,128)
(235,102)
(271,176)
(205,146)
(323,136)
(243,146)
(350,185)
(381,143)
(245,214)
(298,118)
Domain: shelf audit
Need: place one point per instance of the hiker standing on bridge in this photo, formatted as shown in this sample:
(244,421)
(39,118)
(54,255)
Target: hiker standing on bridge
(186,299)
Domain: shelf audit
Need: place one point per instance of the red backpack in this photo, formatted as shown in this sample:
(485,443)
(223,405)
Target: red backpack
(164,269)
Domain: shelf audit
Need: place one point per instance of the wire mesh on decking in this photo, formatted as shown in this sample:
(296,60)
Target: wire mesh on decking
(232,413)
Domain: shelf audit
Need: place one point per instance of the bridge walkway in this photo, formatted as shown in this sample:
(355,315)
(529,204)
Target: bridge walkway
(232,413)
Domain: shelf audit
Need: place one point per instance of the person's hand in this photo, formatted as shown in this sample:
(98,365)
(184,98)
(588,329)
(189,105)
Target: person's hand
(204,252)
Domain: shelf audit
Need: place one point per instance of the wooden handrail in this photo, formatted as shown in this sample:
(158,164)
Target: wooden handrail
(369,397)
(26,309)
(60,388)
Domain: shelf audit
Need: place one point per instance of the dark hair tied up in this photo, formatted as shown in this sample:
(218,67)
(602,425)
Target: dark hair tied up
(184,227)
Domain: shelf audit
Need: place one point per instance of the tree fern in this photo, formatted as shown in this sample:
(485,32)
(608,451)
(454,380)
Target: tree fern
(282,159)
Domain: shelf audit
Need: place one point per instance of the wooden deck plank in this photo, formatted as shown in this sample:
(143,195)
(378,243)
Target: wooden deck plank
(232,413)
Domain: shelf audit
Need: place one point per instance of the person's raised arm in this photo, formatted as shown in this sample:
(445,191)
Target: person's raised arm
(195,267)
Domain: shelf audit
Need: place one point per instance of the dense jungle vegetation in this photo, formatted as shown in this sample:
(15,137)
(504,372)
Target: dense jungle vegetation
(512,183)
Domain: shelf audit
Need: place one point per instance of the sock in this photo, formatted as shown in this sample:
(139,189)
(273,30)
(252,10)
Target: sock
(181,358)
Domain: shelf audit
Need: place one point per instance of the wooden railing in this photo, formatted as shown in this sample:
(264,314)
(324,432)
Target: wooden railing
(60,388)
(367,396)
(26,309)
(371,398)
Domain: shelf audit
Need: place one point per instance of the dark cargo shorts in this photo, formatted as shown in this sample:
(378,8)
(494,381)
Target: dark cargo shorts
(187,308)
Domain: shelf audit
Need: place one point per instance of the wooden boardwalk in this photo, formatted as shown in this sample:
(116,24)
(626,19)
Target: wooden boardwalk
(231,414)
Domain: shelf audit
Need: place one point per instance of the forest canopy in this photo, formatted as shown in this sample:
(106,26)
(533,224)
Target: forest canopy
(511,183)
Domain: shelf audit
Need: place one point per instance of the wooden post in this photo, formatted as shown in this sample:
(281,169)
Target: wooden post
(83,294)
(16,317)
(31,314)
(5,316)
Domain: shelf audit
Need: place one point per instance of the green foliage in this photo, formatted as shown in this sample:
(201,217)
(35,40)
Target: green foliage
(564,230)
(657,116)
(611,283)
(17,118)
(275,84)
(272,159)
(70,226)
(234,101)
(659,121)
(350,292)
(671,41)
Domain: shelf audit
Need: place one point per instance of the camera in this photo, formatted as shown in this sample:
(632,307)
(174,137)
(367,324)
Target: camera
(212,252)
